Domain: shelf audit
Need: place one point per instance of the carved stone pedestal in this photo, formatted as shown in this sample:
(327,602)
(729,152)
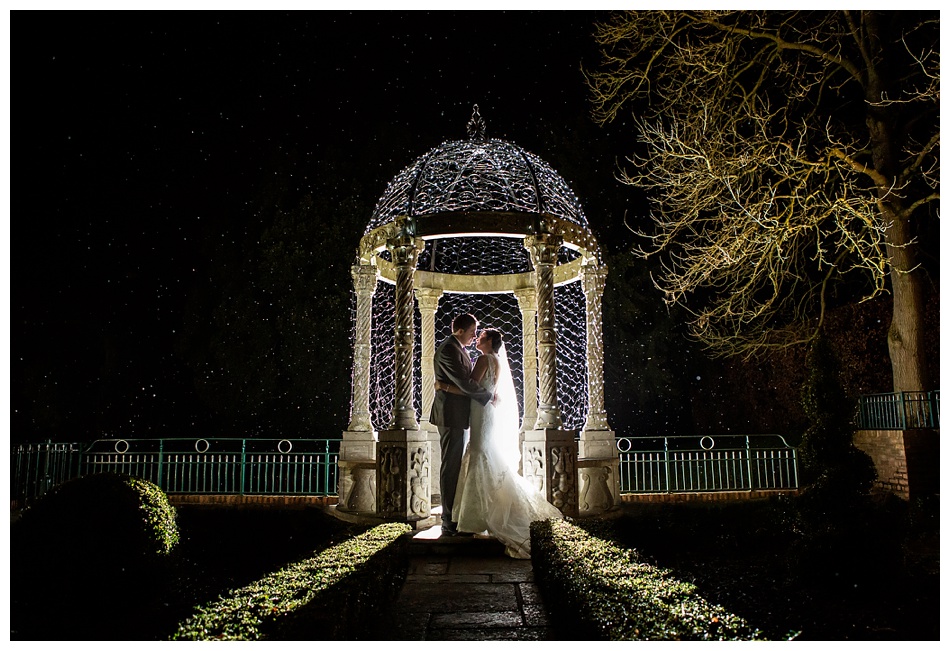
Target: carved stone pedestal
(356,485)
(403,477)
(599,486)
(598,473)
(549,461)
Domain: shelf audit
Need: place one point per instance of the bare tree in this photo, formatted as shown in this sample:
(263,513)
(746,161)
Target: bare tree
(789,155)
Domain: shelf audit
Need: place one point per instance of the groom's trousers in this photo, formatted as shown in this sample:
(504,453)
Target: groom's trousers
(453,440)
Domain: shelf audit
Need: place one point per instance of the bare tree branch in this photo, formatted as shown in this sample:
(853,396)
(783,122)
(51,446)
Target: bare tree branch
(777,164)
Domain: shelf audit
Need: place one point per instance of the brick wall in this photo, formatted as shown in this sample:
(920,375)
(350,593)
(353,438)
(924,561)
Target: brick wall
(907,461)
(253,501)
(886,449)
(720,496)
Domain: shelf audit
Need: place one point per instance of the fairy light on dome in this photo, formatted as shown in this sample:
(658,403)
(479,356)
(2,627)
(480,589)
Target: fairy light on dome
(477,174)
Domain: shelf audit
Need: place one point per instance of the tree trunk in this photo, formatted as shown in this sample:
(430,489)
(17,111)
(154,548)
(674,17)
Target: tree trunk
(904,338)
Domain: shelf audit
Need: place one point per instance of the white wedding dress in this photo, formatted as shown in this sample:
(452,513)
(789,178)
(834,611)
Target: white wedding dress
(491,496)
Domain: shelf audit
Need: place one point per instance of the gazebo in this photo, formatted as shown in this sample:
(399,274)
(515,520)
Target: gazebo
(483,226)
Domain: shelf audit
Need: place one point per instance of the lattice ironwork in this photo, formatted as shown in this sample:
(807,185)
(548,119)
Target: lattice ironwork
(477,175)
(570,322)
(475,256)
(480,175)
(499,311)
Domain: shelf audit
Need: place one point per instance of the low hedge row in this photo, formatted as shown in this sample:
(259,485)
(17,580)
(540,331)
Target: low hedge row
(100,518)
(616,596)
(325,597)
(100,543)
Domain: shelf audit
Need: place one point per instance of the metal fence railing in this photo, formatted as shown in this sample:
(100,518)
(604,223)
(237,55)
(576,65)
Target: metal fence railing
(682,464)
(903,410)
(37,467)
(672,464)
(192,466)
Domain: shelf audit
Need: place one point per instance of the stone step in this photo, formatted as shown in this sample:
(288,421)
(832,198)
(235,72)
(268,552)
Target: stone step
(431,542)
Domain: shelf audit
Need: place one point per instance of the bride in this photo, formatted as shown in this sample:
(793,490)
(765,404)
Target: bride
(491,495)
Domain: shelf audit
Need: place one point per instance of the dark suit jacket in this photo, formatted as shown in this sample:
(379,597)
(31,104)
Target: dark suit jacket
(453,365)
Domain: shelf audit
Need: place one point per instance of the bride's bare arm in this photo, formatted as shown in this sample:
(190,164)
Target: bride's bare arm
(481,367)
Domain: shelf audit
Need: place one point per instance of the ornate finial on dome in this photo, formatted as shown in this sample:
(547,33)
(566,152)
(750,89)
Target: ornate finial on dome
(476,125)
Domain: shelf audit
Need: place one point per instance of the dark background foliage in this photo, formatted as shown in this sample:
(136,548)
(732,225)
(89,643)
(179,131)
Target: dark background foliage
(191,188)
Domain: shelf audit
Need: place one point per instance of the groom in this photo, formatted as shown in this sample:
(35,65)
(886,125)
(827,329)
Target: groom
(450,412)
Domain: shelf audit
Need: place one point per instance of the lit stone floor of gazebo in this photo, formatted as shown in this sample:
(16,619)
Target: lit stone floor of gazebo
(466,588)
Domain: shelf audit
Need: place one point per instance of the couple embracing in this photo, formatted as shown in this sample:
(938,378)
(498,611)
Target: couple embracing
(481,488)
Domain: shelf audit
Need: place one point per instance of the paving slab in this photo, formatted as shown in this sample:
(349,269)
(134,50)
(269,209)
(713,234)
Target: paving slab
(465,589)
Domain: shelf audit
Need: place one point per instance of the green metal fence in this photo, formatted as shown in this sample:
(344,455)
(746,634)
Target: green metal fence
(903,410)
(37,467)
(671,464)
(684,464)
(228,466)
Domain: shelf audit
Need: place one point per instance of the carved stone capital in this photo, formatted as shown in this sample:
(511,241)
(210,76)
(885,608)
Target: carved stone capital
(428,298)
(543,248)
(527,299)
(593,279)
(404,250)
(364,278)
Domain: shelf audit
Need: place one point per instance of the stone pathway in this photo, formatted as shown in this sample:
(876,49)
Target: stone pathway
(466,589)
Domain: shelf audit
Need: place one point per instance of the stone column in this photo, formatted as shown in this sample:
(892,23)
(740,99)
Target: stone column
(404,252)
(403,473)
(427,299)
(543,249)
(528,303)
(593,278)
(364,281)
(549,453)
(598,458)
(356,486)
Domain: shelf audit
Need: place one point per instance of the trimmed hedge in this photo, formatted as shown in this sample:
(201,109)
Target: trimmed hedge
(325,597)
(92,555)
(101,518)
(617,596)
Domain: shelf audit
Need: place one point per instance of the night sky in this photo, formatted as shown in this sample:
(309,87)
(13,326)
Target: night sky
(140,141)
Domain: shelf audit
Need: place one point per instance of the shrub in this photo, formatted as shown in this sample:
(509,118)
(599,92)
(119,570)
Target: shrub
(830,463)
(834,510)
(84,549)
(326,596)
(615,595)
(103,517)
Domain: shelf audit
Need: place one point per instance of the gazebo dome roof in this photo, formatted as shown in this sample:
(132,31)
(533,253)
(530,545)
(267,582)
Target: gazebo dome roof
(477,175)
